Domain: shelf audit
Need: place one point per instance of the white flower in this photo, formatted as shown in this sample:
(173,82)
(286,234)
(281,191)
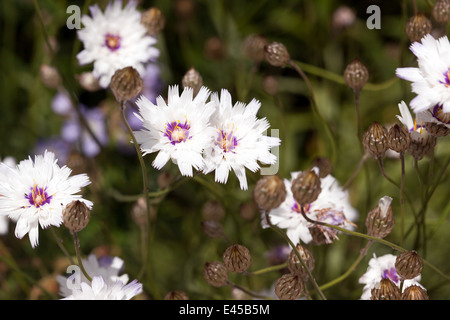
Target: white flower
(100,290)
(332,206)
(381,268)
(178,130)
(415,126)
(115,39)
(4,222)
(35,193)
(238,142)
(431,81)
(106,267)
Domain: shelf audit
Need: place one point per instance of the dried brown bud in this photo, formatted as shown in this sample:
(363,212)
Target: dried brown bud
(375,140)
(213,210)
(270,85)
(139,212)
(269,192)
(126,84)
(215,48)
(385,290)
(277,54)
(324,165)
(176,295)
(414,292)
(253,47)
(408,264)
(164,180)
(50,76)
(192,79)
(294,264)
(356,75)
(441,11)
(398,137)
(88,81)
(436,129)
(237,258)
(421,144)
(212,228)
(417,27)
(76,216)
(306,187)
(153,20)
(288,287)
(248,210)
(215,273)
(380,220)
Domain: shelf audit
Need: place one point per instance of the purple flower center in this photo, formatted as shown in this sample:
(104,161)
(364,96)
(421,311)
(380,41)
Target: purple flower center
(439,114)
(226,140)
(390,274)
(177,131)
(112,42)
(38,196)
(296,208)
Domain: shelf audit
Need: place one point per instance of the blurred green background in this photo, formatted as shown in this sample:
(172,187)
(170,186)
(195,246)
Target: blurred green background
(209,36)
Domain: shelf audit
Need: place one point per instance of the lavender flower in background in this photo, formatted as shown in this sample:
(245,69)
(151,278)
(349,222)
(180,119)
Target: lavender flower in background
(4,222)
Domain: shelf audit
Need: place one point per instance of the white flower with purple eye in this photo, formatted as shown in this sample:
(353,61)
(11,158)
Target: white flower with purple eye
(332,206)
(381,268)
(35,193)
(115,39)
(177,130)
(99,289)
(431,80)
(107,267)
(239,141)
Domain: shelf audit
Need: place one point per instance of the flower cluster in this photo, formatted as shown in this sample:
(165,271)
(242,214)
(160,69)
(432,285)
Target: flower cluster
(204,135)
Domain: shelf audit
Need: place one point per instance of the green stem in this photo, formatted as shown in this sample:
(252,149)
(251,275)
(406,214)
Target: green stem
(267,270)
(76,243)
(402,206)
(60,245)
(250,293)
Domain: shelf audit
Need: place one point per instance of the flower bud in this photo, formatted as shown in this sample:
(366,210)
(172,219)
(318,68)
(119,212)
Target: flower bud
(277,54)
(421,144)
(176,295)
(88,81)
(153,20)
(212,228)
(398,138)
(126,84)
(380,220)
(417,27)
(375,140)
(269,192)
(294,264)
(441,11)
(253,47)
(237,258)
(324,165)
(408,265)
(288,287)
(192,79)
(76,216)
(215,273)
(356,75)
(414,292)
(385,290)
(213,210)
(270,85)
(436,129)
(306,187)
(50,76)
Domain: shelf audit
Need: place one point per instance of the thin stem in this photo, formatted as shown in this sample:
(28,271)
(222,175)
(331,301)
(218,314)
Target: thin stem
(402,206)
(266,270)
(60,245)
(76,243)
(313,280)
(250,293)
(358,168)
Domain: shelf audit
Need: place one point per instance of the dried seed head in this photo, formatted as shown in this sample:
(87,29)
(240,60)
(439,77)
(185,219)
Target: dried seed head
(399,139)
(306,187)
(277,54)
(215,273)
(237,258)
(414,292)
(153,20)
(269,192)
(248,210)
(375,140)
(294,264)
(50,76)
(380,220)
(215,48)
(288,287)
(417,27)
(139,212)
(386,290)
(253,47)
(192,79)
(164,180)
(212,228)
(88,81)
(324,165)
(421,144)
(176,295)
(213,210)
(441,11)
(126,84)
(408,264)
(270,85)
(356,75)
(76,216)
(436,129)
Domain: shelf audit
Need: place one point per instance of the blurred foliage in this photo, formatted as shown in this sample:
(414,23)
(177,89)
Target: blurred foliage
(179,247)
